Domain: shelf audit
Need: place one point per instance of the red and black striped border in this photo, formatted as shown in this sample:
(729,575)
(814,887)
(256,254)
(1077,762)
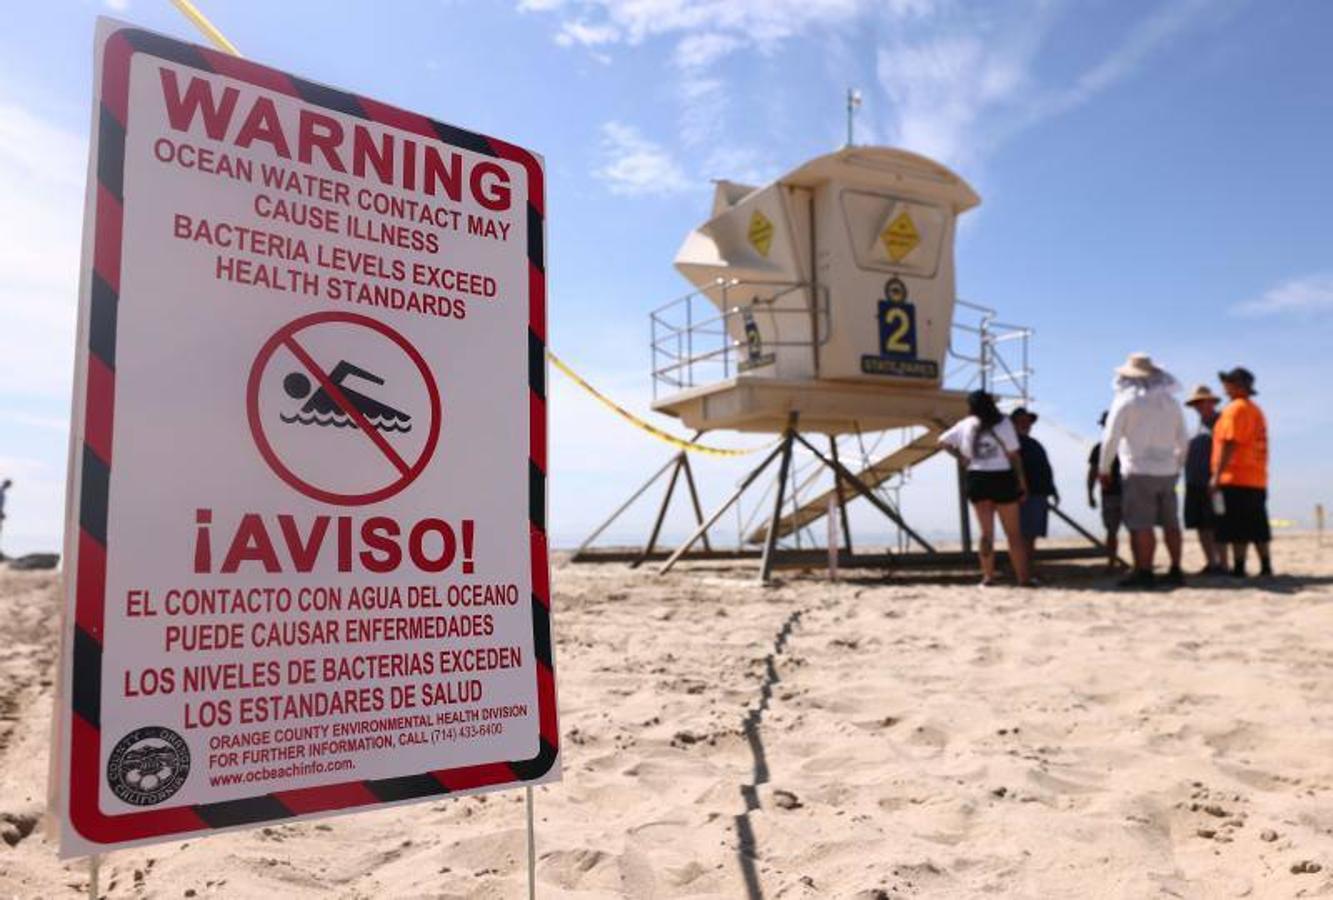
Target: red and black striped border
(95,468)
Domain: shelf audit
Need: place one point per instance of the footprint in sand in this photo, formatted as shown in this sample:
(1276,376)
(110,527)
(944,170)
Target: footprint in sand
(1242,738)
(1255,778)
(929,740)
(567,868)
(1058,785)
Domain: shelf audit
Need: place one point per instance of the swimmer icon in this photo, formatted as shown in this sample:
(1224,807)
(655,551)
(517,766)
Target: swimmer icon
(368,392)
(322,409)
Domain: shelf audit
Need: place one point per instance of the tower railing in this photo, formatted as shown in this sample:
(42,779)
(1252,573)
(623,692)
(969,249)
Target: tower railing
(693,342)
(1000,362)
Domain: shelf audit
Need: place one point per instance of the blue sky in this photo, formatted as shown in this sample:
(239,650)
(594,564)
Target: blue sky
(1154,177)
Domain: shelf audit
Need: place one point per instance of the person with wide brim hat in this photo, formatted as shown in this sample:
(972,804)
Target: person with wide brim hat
(1138,365)
(1199,512)
(1145,429)
(1201,396)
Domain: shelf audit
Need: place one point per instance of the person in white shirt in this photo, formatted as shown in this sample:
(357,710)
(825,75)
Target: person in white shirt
(1145,429)
(987,444)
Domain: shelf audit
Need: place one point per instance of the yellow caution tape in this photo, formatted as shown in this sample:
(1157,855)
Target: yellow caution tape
(210,31)
(640,423)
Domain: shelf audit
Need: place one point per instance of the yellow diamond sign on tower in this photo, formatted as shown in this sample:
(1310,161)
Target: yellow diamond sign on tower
(760,233)
(899,237)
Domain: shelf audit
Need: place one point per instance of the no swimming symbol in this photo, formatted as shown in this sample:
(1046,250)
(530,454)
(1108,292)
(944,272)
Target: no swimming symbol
(343,408)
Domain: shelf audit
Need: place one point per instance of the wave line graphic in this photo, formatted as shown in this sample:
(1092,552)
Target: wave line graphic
(338,420)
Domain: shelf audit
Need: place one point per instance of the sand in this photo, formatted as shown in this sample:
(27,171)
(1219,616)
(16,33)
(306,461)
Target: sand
(870,738)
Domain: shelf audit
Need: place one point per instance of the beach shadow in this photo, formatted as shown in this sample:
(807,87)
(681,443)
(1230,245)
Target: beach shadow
(746,851)
(1278,584)
(1072,577)
(953,576)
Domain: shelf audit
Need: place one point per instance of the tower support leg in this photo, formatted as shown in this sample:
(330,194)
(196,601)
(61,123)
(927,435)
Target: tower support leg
(964,519)
(870,495)
(842,502)
(694,499)
(661,513)
(717,513)
(624,506)
(771,539)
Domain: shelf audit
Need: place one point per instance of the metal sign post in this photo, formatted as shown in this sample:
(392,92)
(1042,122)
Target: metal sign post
(532,850)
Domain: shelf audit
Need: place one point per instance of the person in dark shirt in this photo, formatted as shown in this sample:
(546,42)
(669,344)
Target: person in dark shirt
(1034,511)
(1112,515)
(1199,513)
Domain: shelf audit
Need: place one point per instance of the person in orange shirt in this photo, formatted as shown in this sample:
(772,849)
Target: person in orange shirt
(1240,472)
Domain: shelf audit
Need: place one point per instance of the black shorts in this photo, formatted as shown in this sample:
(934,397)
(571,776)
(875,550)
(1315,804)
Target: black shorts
(1199,507)
(997,487)
(1245,517)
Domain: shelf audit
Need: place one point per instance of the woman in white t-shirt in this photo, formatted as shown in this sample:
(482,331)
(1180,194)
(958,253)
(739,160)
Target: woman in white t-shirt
(987,444)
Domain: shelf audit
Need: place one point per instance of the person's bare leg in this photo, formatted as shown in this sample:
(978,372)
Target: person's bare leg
(1143,543)
(1113,549)
(1209,547)
(1174,544)
(985,510)
(1239,550)
(1013,532)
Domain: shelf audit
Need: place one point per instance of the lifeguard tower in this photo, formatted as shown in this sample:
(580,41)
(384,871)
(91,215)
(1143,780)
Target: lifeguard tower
(824,304)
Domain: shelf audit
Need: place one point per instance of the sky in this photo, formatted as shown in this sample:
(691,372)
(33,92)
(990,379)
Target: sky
(1154,177)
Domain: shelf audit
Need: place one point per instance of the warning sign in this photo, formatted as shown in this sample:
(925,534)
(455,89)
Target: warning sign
(307,545)
(900,237)
(760,233)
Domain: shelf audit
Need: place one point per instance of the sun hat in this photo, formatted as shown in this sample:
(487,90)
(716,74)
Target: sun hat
(1239,375)
(1202,394)
(1138,365)
(1022,411)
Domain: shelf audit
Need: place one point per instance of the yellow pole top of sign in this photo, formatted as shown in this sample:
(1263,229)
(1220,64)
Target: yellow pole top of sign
(210,31)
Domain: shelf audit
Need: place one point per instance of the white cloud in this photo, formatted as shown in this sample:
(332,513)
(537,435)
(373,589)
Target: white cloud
(954,82)
(741,164)
(1311,294)
(958,88)
(939,88)
(634,165)
(42,170)
(1145,38)
(585,35)
(700,50)
(117,5)
(750,20)
(48,422)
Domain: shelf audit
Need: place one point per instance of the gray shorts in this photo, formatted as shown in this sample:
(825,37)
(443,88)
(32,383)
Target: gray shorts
(1150,500)
(1112,512)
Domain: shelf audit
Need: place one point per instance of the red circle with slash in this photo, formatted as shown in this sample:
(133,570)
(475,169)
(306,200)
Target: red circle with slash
(286,337)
